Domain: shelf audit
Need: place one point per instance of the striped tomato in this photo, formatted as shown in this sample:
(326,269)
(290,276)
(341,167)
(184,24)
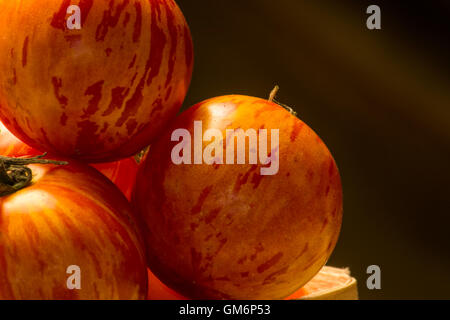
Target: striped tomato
(122,172)
(71,221)
(159,291)
(255,230)
(99,93)
(11,146)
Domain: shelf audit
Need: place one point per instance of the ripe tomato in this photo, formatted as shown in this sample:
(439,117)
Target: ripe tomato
(69,216)
(99,93)
(11,146)
(217,231)
(122,173)
(159,291)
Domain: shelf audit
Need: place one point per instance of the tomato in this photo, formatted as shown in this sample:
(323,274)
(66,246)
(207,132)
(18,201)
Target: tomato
(11,146)
(122,173)
(238,231)
(159,291)
(71,217)
(100,93)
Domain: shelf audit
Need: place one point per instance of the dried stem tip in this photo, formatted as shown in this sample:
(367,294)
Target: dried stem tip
(273,93)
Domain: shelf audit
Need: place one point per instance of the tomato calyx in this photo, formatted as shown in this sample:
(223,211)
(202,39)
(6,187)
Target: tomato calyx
(272,96)
(15,175)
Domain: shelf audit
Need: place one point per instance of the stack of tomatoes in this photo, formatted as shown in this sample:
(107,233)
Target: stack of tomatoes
(94,84)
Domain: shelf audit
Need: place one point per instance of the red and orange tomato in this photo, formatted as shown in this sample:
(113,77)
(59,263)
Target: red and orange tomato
(122,173)
(159,291)
(100,93)
(227,232)
(54,222)
(10,146)
(69,216)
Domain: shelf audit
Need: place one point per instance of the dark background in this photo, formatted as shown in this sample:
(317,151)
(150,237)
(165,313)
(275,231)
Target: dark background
(379,99)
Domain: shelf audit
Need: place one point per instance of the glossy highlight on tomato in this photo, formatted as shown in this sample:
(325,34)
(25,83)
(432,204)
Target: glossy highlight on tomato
(99,93)
(10,146)
(226,231)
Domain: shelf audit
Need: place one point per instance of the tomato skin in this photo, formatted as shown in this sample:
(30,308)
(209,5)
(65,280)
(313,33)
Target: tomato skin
(232,232)
(122,173)
(70,215)
(159,291)
(98,94)
(11,146)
